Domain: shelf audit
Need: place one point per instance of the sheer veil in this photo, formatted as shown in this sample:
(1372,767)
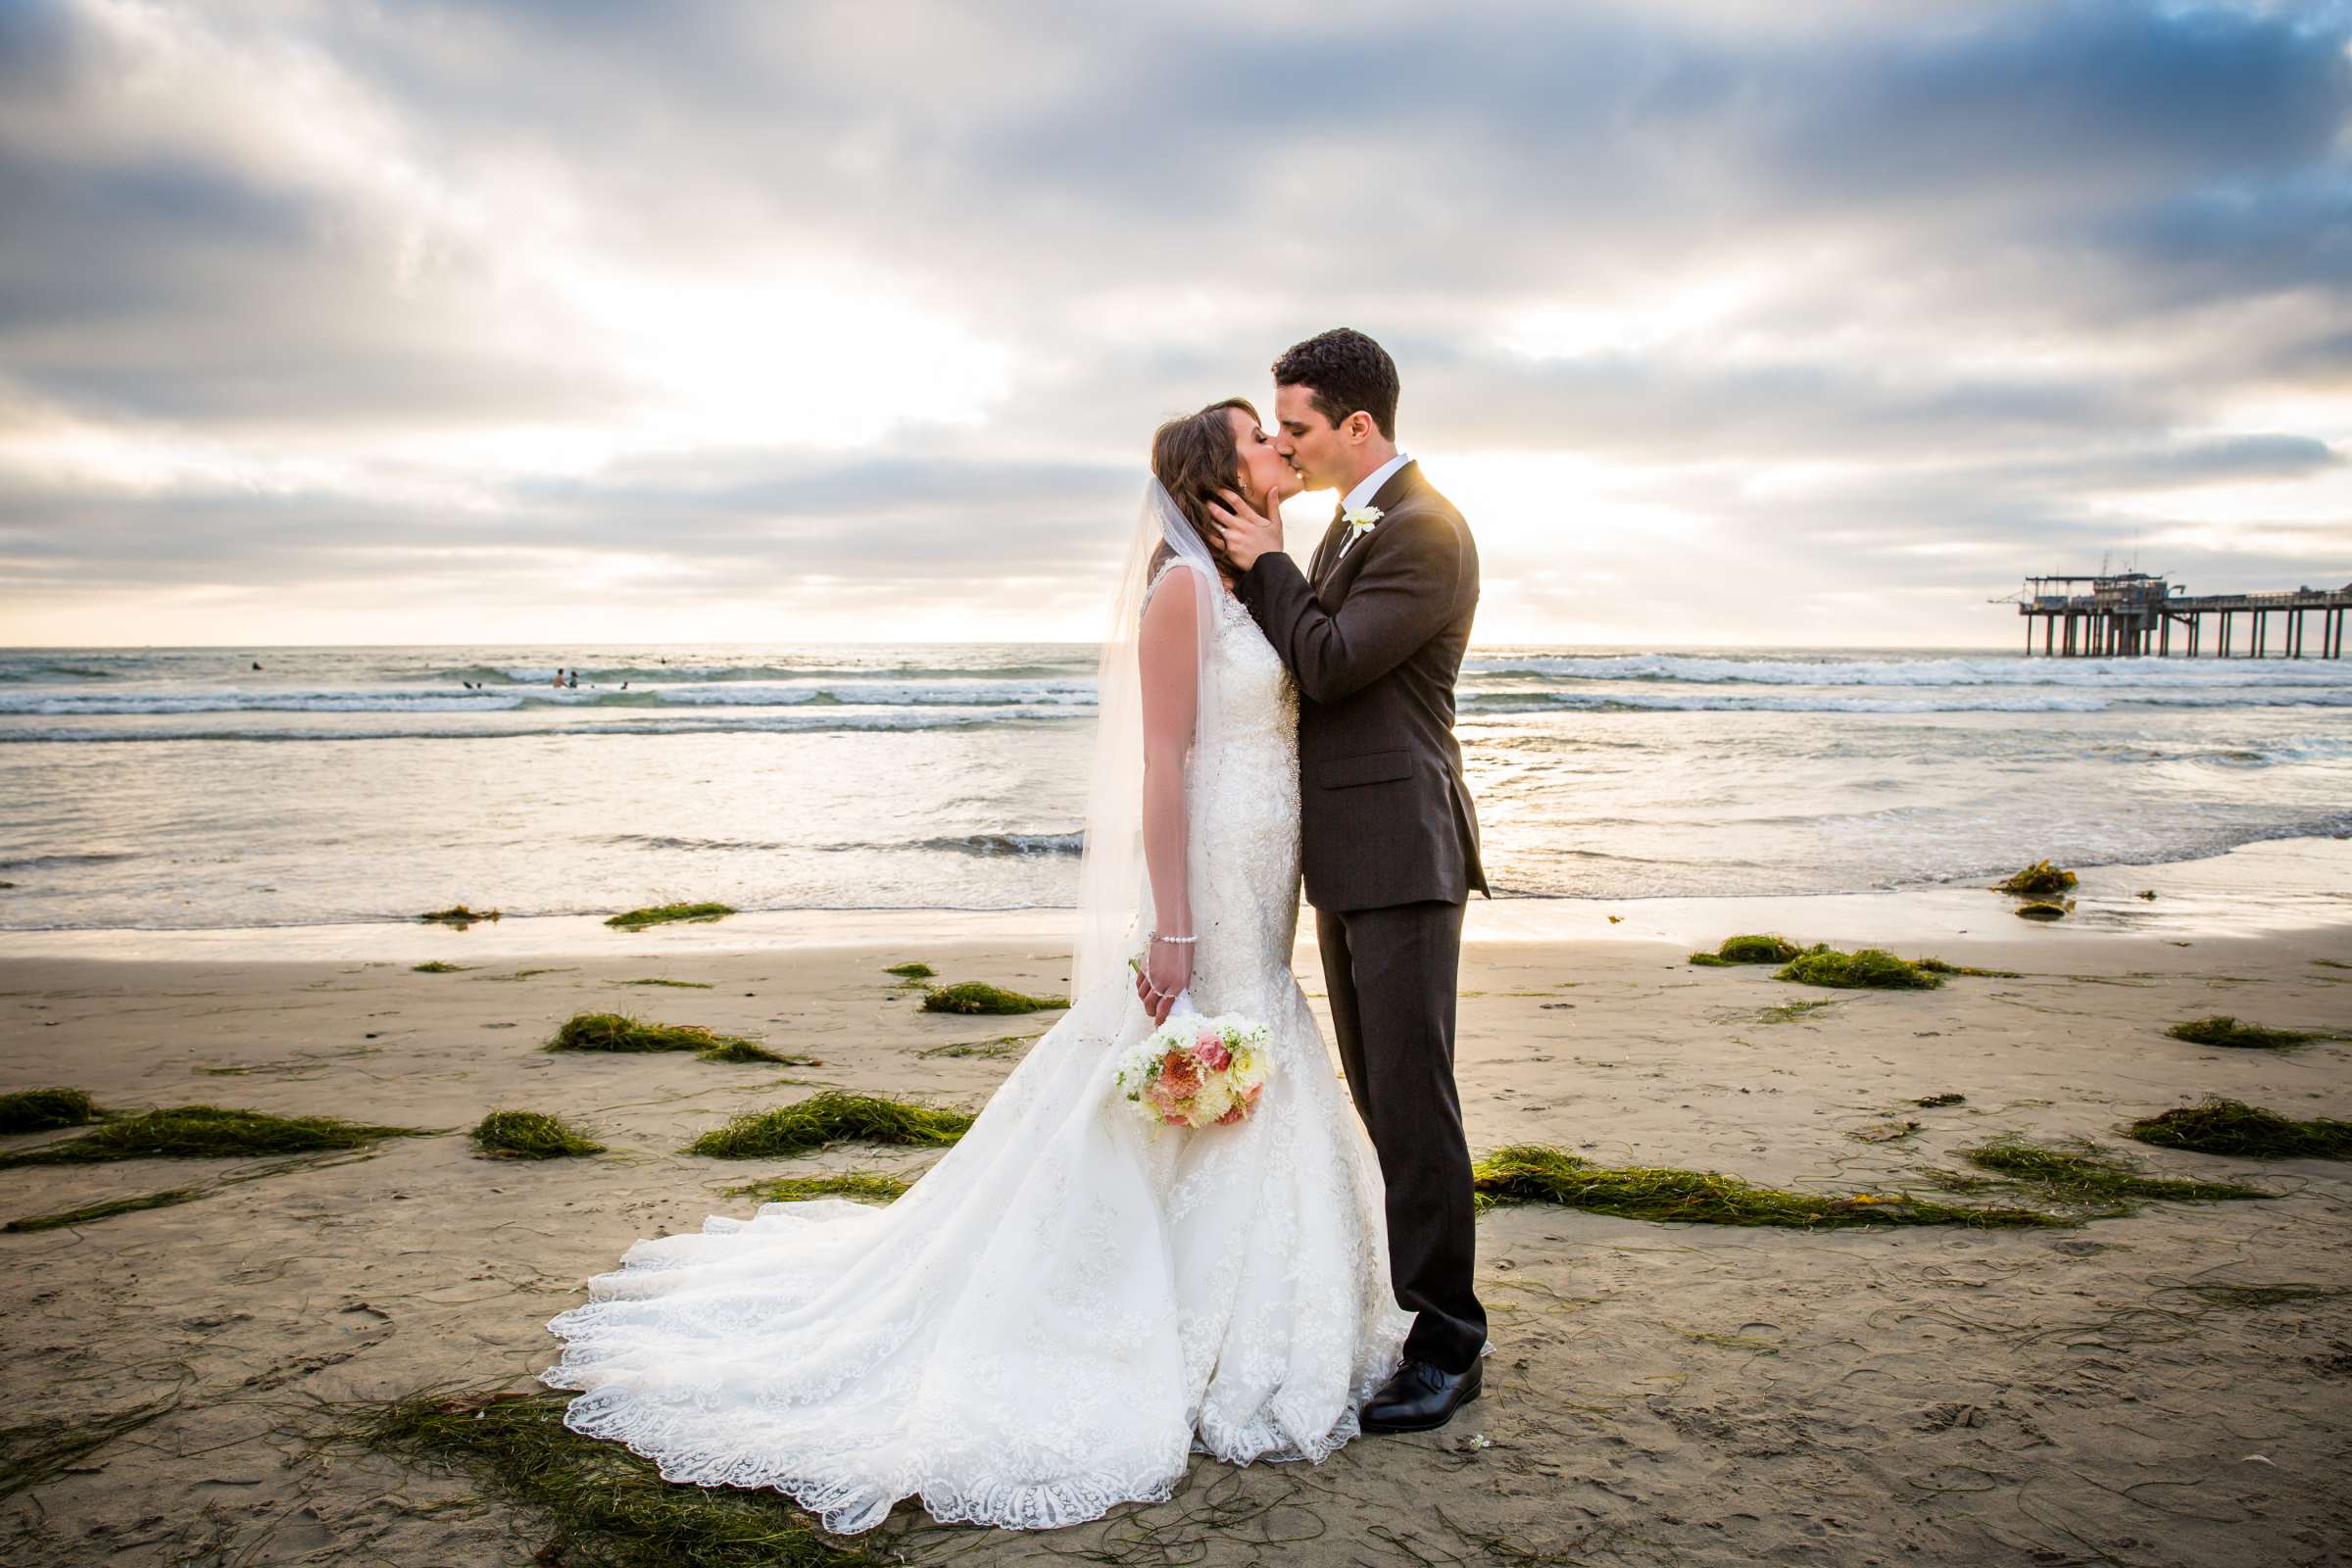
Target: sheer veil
(1114,912)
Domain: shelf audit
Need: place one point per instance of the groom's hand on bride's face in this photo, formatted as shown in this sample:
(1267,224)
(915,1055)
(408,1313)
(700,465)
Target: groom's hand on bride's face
(1247,533)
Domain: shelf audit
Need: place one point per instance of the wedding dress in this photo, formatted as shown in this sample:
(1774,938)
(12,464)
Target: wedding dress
(1070,1302)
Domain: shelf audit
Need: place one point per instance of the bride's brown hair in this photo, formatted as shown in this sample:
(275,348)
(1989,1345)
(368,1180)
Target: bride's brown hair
(1194,458)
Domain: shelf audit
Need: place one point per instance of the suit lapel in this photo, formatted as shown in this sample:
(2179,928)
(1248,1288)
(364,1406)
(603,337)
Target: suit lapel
(1390,496)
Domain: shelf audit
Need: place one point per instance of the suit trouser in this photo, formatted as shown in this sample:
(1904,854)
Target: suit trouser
(1391,974)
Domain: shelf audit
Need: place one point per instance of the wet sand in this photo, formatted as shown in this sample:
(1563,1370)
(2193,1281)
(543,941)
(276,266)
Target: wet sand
(1670,1393)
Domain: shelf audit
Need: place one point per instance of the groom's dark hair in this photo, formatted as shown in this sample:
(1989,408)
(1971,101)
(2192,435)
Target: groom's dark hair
(1344,370)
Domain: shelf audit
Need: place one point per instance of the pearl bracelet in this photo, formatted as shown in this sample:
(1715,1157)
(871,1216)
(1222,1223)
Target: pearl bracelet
(1157,937)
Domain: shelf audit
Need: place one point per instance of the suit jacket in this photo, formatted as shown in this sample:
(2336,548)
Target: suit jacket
(1375,642)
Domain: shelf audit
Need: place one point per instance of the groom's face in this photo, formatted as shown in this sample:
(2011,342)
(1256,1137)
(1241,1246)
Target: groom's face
(1308,442)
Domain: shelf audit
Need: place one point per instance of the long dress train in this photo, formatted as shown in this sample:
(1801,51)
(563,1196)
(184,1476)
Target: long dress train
(1069,1302)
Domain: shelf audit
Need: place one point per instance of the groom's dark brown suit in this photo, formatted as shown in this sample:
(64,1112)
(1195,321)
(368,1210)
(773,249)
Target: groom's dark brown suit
(1389,842)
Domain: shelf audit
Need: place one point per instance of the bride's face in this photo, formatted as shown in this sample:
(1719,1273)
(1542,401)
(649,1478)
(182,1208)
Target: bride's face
(1263,471)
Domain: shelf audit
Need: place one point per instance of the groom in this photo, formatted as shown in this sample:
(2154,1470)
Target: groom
(1374,633)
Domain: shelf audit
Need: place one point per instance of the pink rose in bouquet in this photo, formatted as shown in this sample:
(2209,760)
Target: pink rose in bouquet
(1198,1072)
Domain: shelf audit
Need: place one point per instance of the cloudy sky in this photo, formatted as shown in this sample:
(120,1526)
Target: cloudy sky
(1725,321)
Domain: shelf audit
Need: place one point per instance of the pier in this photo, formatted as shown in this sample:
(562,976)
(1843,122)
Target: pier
(2131,615)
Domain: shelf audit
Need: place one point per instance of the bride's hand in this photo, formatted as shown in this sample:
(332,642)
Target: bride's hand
(1166,971)
(1247,533)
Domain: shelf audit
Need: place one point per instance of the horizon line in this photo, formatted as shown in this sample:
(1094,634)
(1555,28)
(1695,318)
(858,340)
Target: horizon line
(971,642)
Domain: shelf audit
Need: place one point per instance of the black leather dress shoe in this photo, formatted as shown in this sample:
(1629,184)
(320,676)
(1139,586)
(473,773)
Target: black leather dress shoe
(1419,1398)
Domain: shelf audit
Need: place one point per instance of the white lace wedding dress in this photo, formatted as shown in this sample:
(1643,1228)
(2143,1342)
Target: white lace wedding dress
(1069,1302)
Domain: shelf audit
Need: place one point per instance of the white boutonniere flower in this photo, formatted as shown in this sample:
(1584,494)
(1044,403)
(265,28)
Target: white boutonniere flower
(1360,521)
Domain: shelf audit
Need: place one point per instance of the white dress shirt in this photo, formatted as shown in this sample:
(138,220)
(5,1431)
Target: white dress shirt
(1362,494)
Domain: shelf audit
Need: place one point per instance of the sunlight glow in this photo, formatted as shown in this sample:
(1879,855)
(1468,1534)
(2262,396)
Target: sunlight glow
(781,359)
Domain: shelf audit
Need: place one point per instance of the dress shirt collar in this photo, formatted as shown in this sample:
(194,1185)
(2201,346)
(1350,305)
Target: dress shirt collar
(1362,494)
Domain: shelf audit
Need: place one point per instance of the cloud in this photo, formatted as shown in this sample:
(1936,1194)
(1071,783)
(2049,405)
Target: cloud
(887,295)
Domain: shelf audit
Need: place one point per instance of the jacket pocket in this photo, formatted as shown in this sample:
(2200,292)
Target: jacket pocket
(1372,767)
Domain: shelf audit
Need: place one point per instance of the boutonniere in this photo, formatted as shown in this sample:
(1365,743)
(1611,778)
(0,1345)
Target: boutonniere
(1359,520)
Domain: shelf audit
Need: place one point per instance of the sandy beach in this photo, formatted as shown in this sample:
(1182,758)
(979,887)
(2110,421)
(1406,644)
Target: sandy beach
(584,622)
(2169,1388)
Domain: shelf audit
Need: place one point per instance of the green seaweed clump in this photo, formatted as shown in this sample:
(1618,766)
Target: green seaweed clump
(1748,949)
(2084,1176)
(1002,1045)
(1865,968)
(2224,1030)
(2037,881)
(604,1506)
(2044,909)
(37,1452)
(436,966)
(1930,1101)
(617,1031)
(831,1117)
(458,915)
(531,1135)
(911,971)
(92,1212)
(209,1132)
(1939,966)
(2220,1126)
(745,1050)
(977,996)
(862,1186)
(1534,1173)
(36,1110)
(669,913)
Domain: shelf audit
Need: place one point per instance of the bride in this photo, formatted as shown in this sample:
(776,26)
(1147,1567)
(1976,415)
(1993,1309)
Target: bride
(1070,1302)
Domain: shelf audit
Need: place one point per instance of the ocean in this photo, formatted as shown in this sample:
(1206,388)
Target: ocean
(184,788)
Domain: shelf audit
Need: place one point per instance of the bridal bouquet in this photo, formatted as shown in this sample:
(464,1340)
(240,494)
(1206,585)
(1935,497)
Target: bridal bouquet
(1196,1072)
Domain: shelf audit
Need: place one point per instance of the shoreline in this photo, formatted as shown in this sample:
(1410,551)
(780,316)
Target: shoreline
(2269,886)
(1712,1395)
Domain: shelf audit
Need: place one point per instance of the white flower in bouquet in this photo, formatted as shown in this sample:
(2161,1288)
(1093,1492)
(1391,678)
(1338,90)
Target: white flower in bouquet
(1198,1072)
